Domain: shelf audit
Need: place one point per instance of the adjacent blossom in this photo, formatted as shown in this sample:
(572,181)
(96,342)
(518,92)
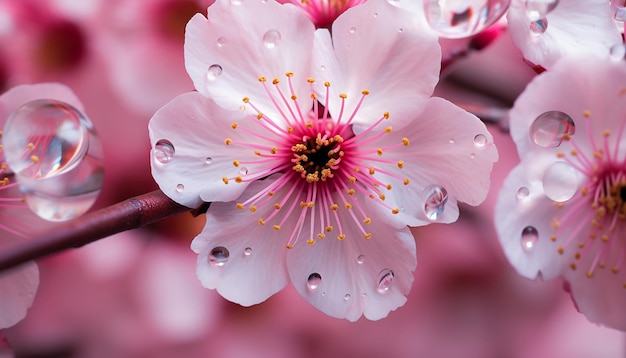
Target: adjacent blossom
(562,210)
(324,12)
(18,286)
(546,31)
(315,152)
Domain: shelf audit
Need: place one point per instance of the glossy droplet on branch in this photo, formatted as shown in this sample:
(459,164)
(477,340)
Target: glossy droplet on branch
(56,156)
(463,18)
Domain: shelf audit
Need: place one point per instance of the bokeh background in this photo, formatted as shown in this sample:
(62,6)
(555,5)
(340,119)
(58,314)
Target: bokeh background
(136,294)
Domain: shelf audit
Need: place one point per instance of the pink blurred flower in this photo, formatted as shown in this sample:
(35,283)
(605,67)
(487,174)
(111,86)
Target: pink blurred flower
(324,12)
(561,211)
(337,185)
(546,31)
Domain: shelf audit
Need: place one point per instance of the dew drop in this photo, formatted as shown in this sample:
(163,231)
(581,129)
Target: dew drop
(538,9)
(221,42)
(323,67)
(385,280)
(549,129)
(314,280)
(459,19)
(163,151)
(436,199)
(213,72)
(180,188)
(347,297)
(352,30)
(401,30)
(247,251)
(560,181)
(271,38)
(451,140)
(360,259)
(219,256)
(243,171)
(538,27)
(208,160)
(618,52)
(522,192)
(472,155)
(236,2)
(480,140)
(57,158)
(529,238)
(618,10)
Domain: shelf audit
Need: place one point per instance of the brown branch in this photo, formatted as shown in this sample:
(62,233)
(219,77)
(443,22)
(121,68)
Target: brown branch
(129,214)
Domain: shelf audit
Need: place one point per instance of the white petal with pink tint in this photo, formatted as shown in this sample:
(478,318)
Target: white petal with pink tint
(253,266)
(200,158)
(400,80)
(241,41)
(355,276)
(573,27)
(20,95)
(17,292)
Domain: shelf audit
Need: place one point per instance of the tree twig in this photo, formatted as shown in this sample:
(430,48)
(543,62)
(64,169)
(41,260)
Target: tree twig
(129,214)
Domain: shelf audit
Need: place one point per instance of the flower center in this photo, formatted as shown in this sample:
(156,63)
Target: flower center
(316,157)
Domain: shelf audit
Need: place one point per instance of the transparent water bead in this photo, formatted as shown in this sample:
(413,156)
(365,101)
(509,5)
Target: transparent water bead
(529,238)
(538,9)
(313,281)
(618,9)
(56,156)
(463,18)
(271,38)
(163,151)
(436,199)
(618,52)
(385,281)
(219,256)
(523,192)
(213,72)
(538,27)
(549,128)
(560,181)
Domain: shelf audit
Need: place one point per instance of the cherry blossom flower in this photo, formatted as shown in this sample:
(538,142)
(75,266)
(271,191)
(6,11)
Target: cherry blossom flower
(316,153)
(18,286)
(545,31)
(324,12)
(561,211)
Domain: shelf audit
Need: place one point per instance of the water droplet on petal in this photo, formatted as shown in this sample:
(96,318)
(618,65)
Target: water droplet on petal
(221,42)
(314,281)
(352,30)
(346,297)
(163,151)
(522,192)
(360,259)
(529,238)
(436,199)
(57,158)
(213,72)
(208,160)
(458,19)
(619,10)
(236,2)
(219,256)
(618,52)
(549,129)
(538,9)
(480,140)
(538,27)
(180,188)
(247,251)
(385,280)
(271,38)
(243,171)
(560,181)
(472,155)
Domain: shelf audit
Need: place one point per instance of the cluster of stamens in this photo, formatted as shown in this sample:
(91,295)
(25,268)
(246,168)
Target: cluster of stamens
(321,164)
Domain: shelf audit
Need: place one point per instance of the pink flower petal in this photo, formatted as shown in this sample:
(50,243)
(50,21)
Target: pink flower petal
(20,95)
(17,291)
(254,268)
(401,71)
(355,276)
(243,40)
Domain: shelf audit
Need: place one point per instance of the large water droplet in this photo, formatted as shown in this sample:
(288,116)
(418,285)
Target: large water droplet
(463,18)
(529,238)
(549,129)
(271,38)
(385,280)
(180,188)
(219,256)
(560,181)
(57,158)
(618,52)
(436,199)
(163,151)
(538,27)
(480,140)
(538,9)
(314,280)
(213,72)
